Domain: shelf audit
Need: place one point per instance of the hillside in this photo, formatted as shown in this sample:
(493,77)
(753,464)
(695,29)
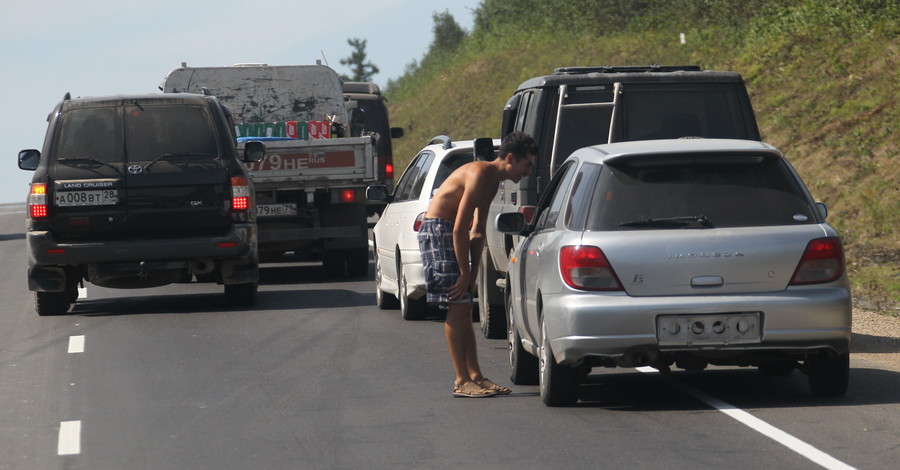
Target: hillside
(824,78)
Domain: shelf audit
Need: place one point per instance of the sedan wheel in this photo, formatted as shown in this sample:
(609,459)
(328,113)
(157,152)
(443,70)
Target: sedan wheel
(383,299)
(558,383)
(411,309)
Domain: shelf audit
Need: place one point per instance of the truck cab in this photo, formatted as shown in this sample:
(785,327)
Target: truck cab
(576,107)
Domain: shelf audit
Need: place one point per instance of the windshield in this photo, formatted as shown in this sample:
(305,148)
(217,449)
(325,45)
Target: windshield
(182,131)
(91,134)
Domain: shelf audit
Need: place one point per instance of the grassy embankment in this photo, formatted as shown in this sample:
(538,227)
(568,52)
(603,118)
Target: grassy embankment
(823,78)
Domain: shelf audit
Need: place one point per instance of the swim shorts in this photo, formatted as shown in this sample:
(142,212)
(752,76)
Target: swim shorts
(439,260)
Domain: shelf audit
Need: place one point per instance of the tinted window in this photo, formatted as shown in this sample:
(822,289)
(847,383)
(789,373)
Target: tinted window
(408,180)
(735,194)
(673,111)
(551,203)
(449,165)
(583,127)
(91,133)
(181,131)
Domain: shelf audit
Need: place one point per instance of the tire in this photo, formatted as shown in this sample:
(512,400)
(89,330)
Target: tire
(777,368)
(51,303)
(558,383)
(71,290)
(523,366)
(411,309)
(383,300)
(333,262)
(828,374)
(493,315)
(242,295)
(358,262)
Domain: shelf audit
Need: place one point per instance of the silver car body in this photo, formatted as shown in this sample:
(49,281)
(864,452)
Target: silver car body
(675,278)
(399,272)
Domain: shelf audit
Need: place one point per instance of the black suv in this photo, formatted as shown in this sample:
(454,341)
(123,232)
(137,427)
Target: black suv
(140,191)
(577,107)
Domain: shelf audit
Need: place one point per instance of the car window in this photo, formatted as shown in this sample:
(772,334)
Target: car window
(556,194)
(408,179)
(91,133)
(583,127)
(524,105)
(183,131)
(416,190)
(448,166)
(753,191)
(670,111)
(578,205)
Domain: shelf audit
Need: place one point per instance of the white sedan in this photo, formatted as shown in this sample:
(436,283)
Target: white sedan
(399,276)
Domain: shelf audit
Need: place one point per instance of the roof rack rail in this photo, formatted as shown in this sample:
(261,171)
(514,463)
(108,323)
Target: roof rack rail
(625,69)
(442,139)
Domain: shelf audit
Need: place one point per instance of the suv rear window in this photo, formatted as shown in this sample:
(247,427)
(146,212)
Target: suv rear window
(94,133)
(182,131)
(697,192)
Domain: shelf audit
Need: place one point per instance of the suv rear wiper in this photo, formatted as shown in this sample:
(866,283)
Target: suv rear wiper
(169,155)
(86,160)
(679,221)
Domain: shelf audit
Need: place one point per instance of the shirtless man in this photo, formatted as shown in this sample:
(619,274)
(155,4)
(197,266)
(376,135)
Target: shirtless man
(461,202)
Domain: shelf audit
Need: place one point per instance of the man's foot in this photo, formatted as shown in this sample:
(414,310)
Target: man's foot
(472,390)
(488,385)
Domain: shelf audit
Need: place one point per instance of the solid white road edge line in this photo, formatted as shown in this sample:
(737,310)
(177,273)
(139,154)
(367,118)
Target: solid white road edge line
(758,425)
(76,344)
(69,438)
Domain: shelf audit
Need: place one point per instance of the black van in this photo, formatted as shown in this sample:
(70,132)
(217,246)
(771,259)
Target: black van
(139,191)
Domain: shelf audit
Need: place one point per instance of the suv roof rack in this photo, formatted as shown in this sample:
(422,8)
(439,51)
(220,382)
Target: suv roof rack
(625,69)
(445,140)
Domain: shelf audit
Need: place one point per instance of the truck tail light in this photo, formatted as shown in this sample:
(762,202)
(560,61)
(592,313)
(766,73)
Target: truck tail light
(418,223)
(240,194)
(823,261)
(37,201)
(347,195)
(528,212)
(586,268)
(389,170)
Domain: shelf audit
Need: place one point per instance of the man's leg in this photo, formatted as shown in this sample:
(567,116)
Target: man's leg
(461,342)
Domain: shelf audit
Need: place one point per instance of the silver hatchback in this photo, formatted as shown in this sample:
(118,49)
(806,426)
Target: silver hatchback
(685,252)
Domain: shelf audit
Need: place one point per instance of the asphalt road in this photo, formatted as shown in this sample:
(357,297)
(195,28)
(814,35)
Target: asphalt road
(317,377)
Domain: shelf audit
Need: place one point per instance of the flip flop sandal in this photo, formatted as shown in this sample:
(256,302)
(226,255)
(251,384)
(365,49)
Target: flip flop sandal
(499,389)
(472,390)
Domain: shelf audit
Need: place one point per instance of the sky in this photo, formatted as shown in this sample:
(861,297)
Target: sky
(105,47)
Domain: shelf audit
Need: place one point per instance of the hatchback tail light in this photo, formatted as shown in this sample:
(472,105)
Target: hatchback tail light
(37,201)
(586,268)
(528,212)
(240,194)
(418,223)
(823,261)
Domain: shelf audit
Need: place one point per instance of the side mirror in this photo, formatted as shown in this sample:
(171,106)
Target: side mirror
(378,192)
(510,222)
(484,149)
(254,151)
(396,132)
(823,210)
(29,159)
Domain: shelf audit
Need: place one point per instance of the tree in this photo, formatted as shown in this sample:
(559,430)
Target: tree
(361,68)
(448,35)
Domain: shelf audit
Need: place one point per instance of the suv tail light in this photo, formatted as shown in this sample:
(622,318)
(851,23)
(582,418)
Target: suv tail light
(37,201)
(528,212)
(823,261)
(586,268)
(389,171)
(240,194)
(418,223)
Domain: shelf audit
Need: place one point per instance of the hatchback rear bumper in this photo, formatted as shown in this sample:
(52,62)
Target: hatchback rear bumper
(791,322)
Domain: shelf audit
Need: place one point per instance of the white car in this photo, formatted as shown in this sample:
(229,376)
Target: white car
(399,276)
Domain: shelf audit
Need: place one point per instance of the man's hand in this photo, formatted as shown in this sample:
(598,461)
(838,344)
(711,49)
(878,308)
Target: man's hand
(464,284)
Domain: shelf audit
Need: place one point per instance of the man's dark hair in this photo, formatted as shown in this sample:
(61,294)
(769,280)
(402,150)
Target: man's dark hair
(520,144)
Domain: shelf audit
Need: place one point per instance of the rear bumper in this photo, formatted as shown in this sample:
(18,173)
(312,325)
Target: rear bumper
(414,273)
(791,322)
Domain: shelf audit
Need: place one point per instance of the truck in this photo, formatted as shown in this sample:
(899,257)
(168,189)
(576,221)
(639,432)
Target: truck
(576,107)
(310,187)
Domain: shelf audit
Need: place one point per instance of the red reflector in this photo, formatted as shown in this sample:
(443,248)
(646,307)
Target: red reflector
(240,203)
(586,268)
(348,195)
(56,251)
(38,211)
(389,170)
(227,244)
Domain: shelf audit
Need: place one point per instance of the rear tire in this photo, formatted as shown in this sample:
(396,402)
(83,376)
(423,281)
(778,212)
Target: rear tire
(358,262)
(51,303)
(828,375)
(558,383)
(333,262)
(411,309)
(383,300)
(242,295)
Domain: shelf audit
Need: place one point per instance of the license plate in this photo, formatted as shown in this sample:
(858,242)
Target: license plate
(104,197)
(712,329)
(276,210)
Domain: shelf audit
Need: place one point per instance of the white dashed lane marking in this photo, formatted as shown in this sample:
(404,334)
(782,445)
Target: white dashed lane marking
(69,438)
(806,450)
(76,344)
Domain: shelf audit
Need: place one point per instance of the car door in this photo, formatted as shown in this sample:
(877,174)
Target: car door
(534,262)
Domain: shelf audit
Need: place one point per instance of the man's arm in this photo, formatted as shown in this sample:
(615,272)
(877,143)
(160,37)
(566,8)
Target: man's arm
(474,192)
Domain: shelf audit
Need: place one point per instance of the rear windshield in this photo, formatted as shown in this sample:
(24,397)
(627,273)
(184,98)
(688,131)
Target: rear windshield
(94,133)
(702,193)
(181,131)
